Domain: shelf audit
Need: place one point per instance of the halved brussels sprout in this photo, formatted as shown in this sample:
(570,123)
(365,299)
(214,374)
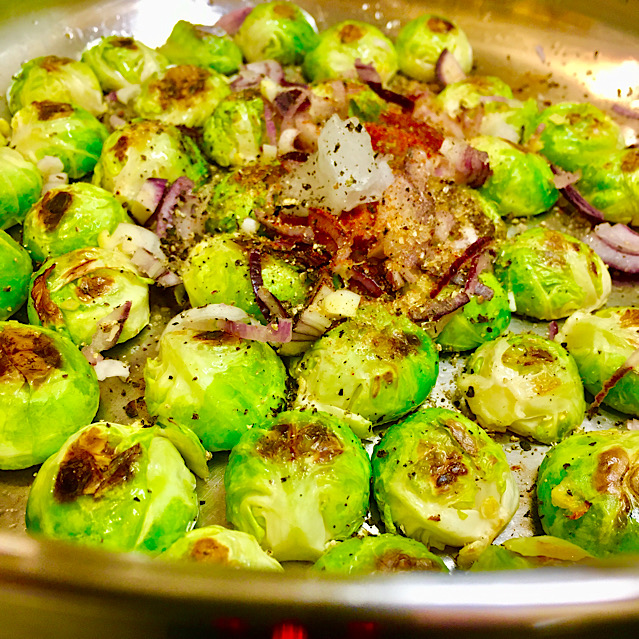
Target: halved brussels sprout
(20,186)
(61,130)
(527,384)
(298,485)
(15,274)
(75,291)
(48,391)
(440,479)
(341,45)
(184,95)
(196,44)
(57,79)
(588,490)
(601,344)
(219,545)
(382,554)
(119,62)
(548,274)
(70,217)
(521,184)
(116,487)
(422,40)
(371,369)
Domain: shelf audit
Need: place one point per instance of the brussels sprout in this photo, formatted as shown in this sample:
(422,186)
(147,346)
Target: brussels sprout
(298,485)
(479,321)
(219,545)
(573,135)
(440,479)
(116,487)
(214,383)
(217,271)
(60,130)
(279,31)
(70,217)
(521,183)
(234,134)
(525,383)
(73,292)
(146,149)
(339,47)
(119,62)
(601,344)
(20,186)
(361,101)
(56,79)
(15,273)
(184,95)
(371,369)
(422,40)
(587,490)
(548,274)
(196,44)
(48,391)
(381,554)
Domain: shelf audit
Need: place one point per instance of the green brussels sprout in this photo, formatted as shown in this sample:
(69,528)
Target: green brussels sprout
(479,321)
(587,490)
(146,149)
(195,44)
(279,31)
(48,391)
(601,344)
(15,273)
(70,217)
(219,545)
(73,292)
(184,95)
(525,383)
(20,186)
(116,487)
(217,272)
(372,368)
(440,479)
(521,183)
(56,79)
(422,40)
(61,130)
(342,44)
(573,135)
(214,383)
(382,554)
(234,134)
(119,62)
(298,485)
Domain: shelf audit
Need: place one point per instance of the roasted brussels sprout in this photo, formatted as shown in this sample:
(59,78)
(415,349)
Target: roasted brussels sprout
(119,62)
(70,217)
(298,485)
(527,384)
(341,45)
(219,545)
(422,40)
(197,44)
(57,79)
(521,183)
(601,344)
(440,479)
(381,554)
(116,487)
(371,369)
(48,391)
(20,186)
(15,273)
(548,274)
(74,292)
(61,130)
(588,489)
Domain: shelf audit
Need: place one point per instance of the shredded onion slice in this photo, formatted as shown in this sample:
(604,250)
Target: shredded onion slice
(233,20)
(620,237)
(448,69)
(625,262)
(581,204)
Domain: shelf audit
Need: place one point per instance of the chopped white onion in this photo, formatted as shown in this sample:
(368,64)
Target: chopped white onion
(111,368)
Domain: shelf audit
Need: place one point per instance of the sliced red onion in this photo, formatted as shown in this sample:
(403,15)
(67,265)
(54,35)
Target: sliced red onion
(466,165)
(620,237)
(476,167)
(581,204)
(151,193)
(624,262)
(268,304)
(251,75)
(276,333)
(233,20)
(447,69)
(473,285)
(632,363)
(440,308)
(369,76)
(626,111)
(553,329)
(563,178)
(271,129)
(365,282)
(108,332)
(367,72)
(168,279)
(182,187)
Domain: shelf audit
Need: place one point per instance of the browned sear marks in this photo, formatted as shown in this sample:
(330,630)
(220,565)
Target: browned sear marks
(92,286)
(53,208)
(180,83)
(210,551)
(612,465)
(48,110)
(292,442)
(439,25)
(47,310)
(350,33)
(461,435)
(398,561)
(53,63)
